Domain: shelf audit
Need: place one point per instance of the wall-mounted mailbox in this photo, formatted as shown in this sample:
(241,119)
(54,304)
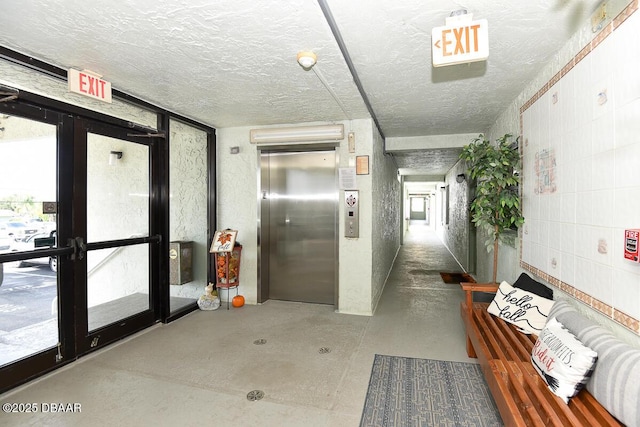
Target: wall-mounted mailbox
(180,262)
(351,216)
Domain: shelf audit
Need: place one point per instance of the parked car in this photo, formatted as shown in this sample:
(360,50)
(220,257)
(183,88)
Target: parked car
(31,243)
(40,224)
(19,230)
(5,241)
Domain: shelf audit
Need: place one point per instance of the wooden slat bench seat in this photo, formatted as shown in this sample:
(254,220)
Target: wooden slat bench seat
(521,395)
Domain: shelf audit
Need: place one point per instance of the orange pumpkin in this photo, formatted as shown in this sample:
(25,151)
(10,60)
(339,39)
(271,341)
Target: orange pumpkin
(237,301)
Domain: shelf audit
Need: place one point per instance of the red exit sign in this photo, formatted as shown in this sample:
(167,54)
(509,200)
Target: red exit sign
(89,84)
(460,41)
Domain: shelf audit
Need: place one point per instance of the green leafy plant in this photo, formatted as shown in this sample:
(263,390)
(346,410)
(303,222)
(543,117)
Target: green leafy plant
(496,206)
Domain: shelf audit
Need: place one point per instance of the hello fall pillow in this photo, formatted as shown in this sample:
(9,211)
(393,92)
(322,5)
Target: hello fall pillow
(524,309)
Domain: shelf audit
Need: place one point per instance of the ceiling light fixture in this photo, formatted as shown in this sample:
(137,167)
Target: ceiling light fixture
(307,59)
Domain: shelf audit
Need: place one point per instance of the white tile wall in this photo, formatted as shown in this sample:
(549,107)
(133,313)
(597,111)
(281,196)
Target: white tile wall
(627,161)
(575,234)
(626,207)
(627,125)
(603,133)
(627,84)
(567,275)
(626,293)
(603,168)
(568,238)
(602,208)
(601,283)
(555,235)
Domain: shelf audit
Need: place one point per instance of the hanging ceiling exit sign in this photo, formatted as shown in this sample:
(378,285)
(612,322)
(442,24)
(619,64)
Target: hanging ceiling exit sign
(89,84)
(460,41)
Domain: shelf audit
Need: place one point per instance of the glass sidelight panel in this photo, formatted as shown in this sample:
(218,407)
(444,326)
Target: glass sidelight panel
(28,200)
(118,191)
(189,248)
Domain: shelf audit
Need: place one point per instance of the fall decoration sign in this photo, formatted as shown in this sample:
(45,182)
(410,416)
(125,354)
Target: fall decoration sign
(223,241)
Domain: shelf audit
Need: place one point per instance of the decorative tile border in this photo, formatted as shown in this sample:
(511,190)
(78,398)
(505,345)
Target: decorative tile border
(612,313)
(626,320)
(604,33)
(627,12)
(616,315)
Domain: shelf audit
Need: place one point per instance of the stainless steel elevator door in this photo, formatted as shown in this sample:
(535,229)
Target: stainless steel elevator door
(301,238)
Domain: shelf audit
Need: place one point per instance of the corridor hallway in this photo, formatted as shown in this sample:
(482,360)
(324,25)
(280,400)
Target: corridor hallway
(314,367)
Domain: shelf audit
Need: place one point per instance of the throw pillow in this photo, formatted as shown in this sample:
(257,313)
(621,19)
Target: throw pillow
(528,284)
(616,381)
(524,309)
(562,361)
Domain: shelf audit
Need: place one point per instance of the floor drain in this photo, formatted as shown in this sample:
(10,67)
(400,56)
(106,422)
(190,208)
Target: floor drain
(254,395)
(261,341)
(324,350)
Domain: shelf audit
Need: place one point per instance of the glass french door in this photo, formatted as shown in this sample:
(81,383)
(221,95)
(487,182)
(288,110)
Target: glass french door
(33,337)
(116,235)
(79,237)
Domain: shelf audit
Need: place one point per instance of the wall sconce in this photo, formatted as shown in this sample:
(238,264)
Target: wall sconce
(460,178)
(114,156)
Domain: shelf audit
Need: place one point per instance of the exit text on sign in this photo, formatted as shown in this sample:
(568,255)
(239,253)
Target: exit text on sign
(461,42)
(89,84)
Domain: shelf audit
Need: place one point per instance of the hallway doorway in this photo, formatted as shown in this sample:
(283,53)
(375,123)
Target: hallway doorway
(298,226)
(419,208)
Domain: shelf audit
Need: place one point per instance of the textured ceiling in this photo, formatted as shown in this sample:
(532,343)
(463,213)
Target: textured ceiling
(440,160)
(233,62)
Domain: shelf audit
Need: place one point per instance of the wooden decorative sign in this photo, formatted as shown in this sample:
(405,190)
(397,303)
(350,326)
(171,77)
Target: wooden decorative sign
(223,241)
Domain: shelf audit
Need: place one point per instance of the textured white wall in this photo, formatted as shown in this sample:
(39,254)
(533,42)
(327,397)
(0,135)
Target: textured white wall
(456,234)
(237,180)
(188,200)
(385,216)
(22,78)
(355,255)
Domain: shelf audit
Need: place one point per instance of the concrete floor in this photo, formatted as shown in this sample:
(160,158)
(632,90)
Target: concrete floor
(198,370)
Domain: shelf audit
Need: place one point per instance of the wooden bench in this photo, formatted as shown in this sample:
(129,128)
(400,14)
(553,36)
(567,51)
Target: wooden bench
(521,395)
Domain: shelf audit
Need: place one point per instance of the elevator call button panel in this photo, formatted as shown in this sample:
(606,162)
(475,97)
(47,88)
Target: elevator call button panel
(351,216)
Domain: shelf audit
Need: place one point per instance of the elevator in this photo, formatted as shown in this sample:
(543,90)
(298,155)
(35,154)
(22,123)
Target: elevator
(298,226)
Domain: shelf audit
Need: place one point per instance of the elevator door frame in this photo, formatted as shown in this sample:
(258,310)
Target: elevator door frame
(263,217)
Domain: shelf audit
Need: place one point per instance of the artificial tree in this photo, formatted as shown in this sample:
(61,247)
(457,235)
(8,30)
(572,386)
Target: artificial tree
(496,206)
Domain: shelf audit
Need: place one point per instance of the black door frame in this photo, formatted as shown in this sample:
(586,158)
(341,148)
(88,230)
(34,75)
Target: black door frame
(30,105)
(86,340)
(47,360)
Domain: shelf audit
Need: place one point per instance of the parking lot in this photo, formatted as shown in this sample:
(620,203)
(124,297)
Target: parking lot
(26,296)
